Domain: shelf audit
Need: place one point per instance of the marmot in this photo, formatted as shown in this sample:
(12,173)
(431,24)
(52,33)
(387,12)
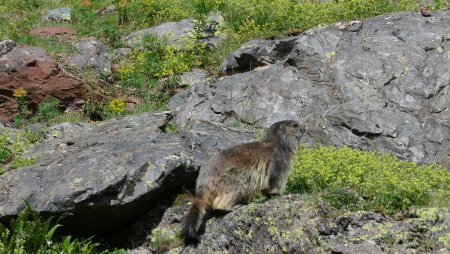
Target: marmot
(237,174)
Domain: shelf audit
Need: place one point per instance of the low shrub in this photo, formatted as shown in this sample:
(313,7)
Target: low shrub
(47,110)
(353,179)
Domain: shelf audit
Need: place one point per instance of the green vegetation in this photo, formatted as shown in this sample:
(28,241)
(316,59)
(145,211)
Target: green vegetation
(172,128)
(46,110)
(29,233)
(14,145)
(353,180)
(163,240)
(148,74)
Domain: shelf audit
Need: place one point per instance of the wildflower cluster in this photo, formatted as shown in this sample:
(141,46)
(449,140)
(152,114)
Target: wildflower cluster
(352,179)
(19,93)
(117,105)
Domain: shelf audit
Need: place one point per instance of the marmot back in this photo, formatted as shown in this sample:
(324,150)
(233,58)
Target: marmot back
(237,174)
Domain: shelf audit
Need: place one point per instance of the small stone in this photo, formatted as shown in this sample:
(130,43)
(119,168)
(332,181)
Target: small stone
(107,10)
(425,11)
(120,53)
(6,46)
(61,14)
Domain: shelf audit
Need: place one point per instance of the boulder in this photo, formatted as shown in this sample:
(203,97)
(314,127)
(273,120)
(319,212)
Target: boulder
(60,14)
(32,69)
(257,53)
(379,84)
(107,175)
(178,33)
(91,54)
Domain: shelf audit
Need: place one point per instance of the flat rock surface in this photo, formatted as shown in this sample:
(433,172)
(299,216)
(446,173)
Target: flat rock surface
(381,83)
(107,174)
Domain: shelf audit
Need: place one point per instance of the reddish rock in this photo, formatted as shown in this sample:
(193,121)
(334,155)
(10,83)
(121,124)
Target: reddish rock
(32,69)
(131,102)
(53,31)
(425,11)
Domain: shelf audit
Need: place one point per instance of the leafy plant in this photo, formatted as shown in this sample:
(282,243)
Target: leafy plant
(29,233)
(48,110)
(354,179)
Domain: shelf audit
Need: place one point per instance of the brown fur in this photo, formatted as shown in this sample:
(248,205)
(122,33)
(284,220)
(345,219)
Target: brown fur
(237,174)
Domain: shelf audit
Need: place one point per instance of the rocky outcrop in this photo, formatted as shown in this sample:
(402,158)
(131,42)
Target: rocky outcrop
(381,84)
(106,175)
(290,225)
(91,54)
(32,69)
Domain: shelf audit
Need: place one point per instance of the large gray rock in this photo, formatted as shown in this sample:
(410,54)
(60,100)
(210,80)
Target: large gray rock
(290,225)
(379,84)
(178,33)
(108,174)
(91,54)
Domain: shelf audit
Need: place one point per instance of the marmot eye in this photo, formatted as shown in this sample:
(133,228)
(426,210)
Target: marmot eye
(295,125)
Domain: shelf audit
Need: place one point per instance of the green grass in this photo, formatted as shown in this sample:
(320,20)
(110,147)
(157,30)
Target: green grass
(353,180)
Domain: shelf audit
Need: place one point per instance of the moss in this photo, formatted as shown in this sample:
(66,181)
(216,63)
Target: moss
(427,214)
(438,228)
(164,240)
(445,239)
(299,232)
(251,208)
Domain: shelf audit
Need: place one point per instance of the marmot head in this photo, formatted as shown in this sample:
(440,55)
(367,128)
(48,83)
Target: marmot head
(287,132)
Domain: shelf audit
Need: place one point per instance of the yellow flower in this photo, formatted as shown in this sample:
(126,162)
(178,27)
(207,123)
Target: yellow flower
(19,93)
(123,3)
(117,105)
